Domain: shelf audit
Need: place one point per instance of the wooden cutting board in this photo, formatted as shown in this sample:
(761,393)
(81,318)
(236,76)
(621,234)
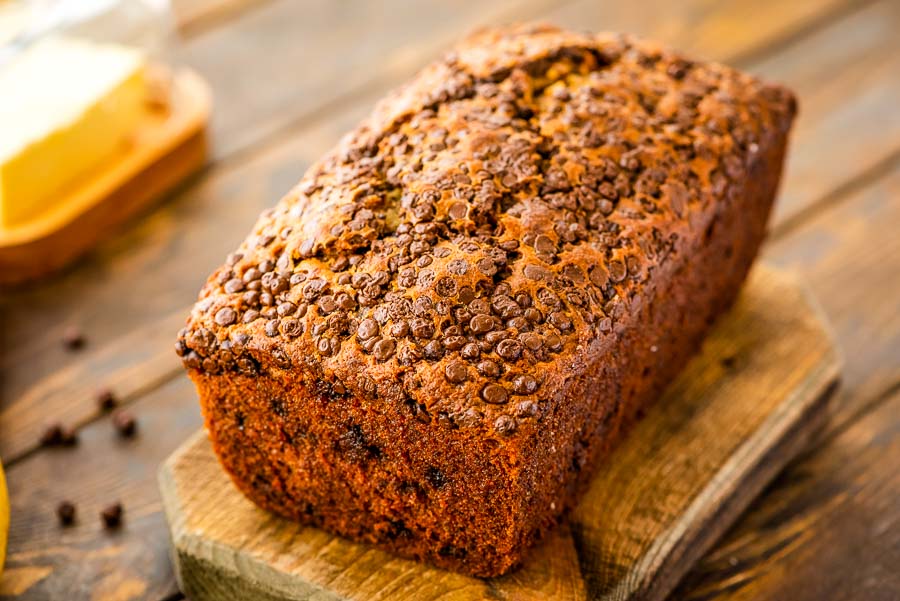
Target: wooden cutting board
(743,408)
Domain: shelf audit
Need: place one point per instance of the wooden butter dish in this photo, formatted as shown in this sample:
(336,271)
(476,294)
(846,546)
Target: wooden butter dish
(169,145)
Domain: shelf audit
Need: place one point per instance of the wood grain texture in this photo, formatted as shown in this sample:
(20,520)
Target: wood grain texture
(85,561)
(195,16)
(826,529)
(847,77)
(729,31)
(850,256)
(287,62)
(156,268)
(741,410)
(165,148)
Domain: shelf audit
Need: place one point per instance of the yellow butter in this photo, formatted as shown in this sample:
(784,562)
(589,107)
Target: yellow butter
(66,106)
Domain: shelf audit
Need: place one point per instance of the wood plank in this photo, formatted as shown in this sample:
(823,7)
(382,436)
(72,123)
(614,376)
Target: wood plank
(154,270)
(850,255)
(828,529)
(84,561)
(287,61)
(728,31)
(848,123)
(194,16)
(717,436)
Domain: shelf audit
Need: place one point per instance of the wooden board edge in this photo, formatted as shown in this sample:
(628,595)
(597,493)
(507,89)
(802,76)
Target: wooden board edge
(196,575)
(714,512)
(783,436)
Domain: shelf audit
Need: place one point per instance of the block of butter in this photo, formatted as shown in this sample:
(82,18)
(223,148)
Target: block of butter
(66,106)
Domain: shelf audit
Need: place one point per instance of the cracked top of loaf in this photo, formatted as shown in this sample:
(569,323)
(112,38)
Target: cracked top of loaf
(488,225)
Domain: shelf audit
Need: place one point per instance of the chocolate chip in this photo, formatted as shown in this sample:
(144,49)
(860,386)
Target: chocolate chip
(275,283)
(367,329)
(106,399)
(608,191)
(384,348)
(271,328)
(617,271)
(446,286)
(525,384)
(534,315)
(65,512)
(458,210)
(531,341)
(598,276)
(458,267)
(112,516)
(454,343)
(481,324)
(544,244)
(494,394)
(534,272)
(605,207)
(291,327)
(124,423)
(400,329)
(505,425)
(561,321)
(527,409)
(422,328)
(327,304)
(488,368)
(425,278)
(456,372)
(72,338)
(286,308)
(486,266)
(470,351)
(519,323)
(58,435)
(251,275)
(678,68)
(324,346)
(553,343)
(633,265)
(234,285)
(509,349)
(434,350)
(225,316)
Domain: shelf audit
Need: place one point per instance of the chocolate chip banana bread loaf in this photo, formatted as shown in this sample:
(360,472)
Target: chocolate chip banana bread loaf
(429,342)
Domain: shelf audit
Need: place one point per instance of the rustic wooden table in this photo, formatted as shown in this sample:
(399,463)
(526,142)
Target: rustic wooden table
(289,78)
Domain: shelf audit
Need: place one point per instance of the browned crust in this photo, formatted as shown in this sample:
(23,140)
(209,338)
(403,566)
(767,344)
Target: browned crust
(517,136)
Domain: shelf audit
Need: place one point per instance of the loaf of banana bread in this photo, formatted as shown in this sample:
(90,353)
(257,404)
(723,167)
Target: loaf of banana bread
(431,340)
